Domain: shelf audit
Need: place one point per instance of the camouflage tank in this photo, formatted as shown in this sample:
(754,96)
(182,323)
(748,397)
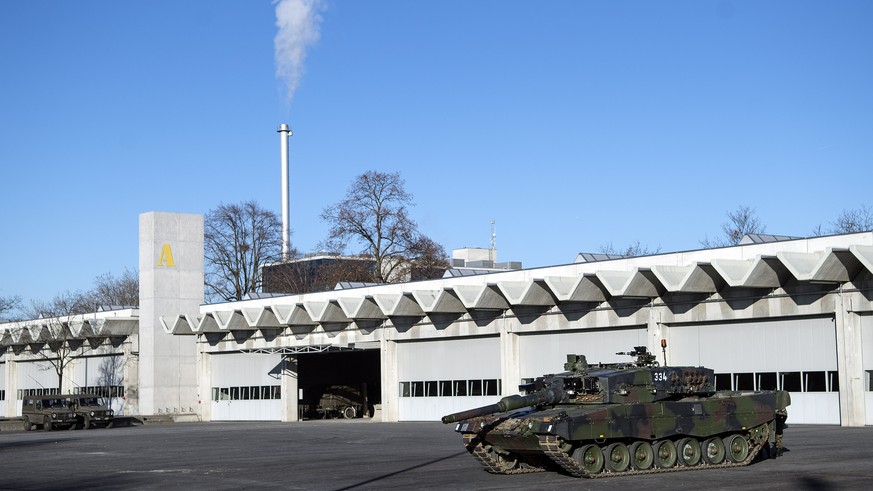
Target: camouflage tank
(620,419)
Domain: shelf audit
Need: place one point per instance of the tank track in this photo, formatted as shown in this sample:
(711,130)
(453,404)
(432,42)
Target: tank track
(551,446)
(485,457)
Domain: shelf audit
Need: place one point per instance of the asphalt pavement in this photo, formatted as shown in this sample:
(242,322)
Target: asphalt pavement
(362,454)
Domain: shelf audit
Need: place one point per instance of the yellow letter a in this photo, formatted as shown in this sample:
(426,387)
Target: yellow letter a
(166,257)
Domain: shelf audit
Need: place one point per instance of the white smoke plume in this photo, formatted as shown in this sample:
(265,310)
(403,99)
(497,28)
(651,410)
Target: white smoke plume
(299,22)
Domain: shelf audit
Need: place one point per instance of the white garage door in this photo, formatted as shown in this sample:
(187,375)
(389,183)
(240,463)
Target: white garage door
(447,376)
(797,355)
(541,354)
(245,387)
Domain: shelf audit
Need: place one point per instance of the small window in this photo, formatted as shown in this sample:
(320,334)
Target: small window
(475,387)
(234,393)
(834,381)
(460,387)
(744,381)
(446,388)
(215,393)
(767,381)
(815,381)
(791,381)
(723,381)
(405,389)
(430,388)
(244,393)
(491,387)
(417,389)
(869,380)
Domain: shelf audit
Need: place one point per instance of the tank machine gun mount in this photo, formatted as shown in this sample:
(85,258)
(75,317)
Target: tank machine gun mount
(618,419)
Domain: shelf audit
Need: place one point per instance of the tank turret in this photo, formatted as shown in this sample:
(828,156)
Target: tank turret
(622,418)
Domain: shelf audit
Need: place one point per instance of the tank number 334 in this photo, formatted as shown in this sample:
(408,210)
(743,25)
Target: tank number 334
(660,376)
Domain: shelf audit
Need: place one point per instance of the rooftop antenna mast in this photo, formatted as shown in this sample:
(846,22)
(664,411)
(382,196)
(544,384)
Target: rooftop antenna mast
(492,252)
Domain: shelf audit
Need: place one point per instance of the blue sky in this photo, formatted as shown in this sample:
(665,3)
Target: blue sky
(572,124)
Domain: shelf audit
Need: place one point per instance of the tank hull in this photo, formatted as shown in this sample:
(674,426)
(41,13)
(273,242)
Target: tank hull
(532,440)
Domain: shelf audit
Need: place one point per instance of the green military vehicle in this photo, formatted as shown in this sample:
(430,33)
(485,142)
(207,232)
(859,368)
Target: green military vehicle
(90,412)
(50,412)
(620,419)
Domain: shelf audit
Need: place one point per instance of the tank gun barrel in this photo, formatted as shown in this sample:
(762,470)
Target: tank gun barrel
(551,395)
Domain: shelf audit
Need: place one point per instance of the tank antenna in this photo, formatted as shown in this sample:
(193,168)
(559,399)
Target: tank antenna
(664,350)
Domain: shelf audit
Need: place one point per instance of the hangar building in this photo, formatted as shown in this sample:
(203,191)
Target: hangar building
(788,314)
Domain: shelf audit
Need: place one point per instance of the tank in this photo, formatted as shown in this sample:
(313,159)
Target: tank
(605,420)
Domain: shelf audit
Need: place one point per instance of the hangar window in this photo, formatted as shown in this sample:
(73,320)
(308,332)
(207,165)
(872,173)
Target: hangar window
(791,381)
(723,381)
(491,387)
(744,381)
(766,381)
(475,387)
(446,388)
(814,381)
(417,389)
(833,382)
(430,388)
(2,394)
(460,387)
(246,393)
(405,389)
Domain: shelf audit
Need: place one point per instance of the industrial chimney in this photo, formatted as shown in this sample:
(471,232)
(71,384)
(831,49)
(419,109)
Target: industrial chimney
(284,134)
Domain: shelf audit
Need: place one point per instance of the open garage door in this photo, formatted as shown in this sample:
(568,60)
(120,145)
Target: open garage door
(445,376)
(541,354)
(797,355)
(339,384)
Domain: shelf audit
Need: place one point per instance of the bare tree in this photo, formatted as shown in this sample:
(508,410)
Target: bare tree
(57,314)
(8,305)
(238,241)
(374,216)
(632,250)
(848,222)
(741,222)
(122,291)
(428,259)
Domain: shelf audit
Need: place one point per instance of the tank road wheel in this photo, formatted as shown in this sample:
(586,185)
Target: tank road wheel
(27,424)
(506,461)
(590,457)
(737,448)
(689,452)
(665,454)
(642,455)
(349,412)
(47,423)
(618,458)
(713,451)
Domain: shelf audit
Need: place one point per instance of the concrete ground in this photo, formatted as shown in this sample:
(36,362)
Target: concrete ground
(361,454)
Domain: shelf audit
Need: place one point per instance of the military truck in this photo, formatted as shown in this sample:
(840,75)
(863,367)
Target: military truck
(341,400)
(90,412)
(604,420)
(50,412)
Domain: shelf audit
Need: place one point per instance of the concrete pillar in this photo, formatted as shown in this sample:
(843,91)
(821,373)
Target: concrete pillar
(13,404)
(850,367)
(170,283)
(510,368)
(290,390)
(204,382)
(390,381)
